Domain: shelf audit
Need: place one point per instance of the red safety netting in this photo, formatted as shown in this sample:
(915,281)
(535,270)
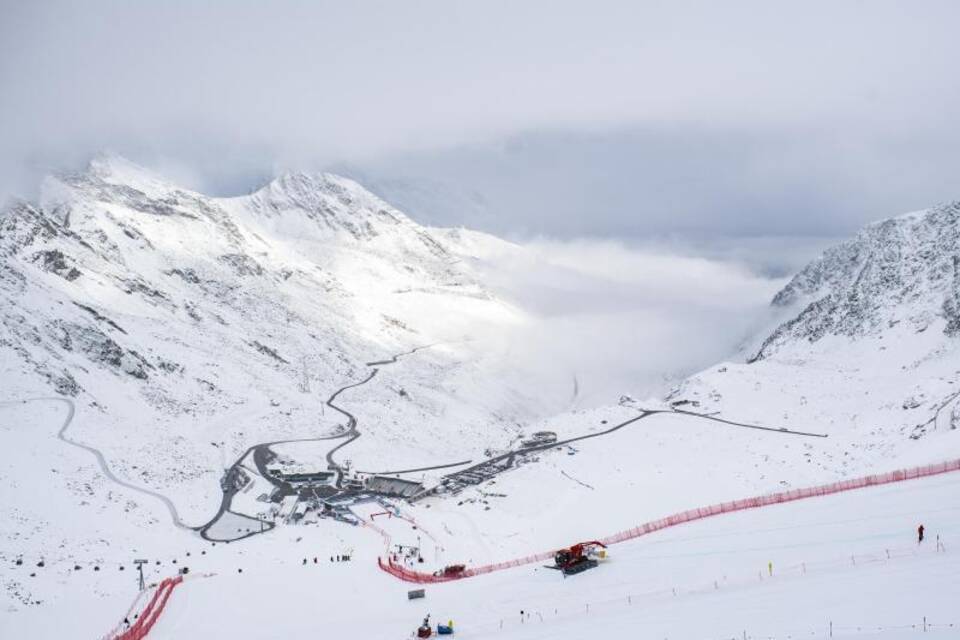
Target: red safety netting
(151,613)
(410,575)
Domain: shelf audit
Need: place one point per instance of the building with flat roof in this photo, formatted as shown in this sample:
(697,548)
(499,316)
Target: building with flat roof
(385,485)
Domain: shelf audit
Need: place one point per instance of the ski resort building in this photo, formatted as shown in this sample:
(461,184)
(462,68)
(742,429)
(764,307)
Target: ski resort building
(385,485)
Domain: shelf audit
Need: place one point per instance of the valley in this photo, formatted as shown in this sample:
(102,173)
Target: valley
(247,387)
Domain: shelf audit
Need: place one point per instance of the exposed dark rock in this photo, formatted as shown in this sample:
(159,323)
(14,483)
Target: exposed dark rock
(138,286)
(21,225)
(55,261)
(169,366)
(12,277)
(264,349)
(242,264)
(100,317)
(187,275)
(951,302)
(207,385)
(63,383)
(99,348)
(192,312)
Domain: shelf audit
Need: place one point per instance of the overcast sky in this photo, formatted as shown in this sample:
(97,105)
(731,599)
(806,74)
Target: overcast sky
(566,119)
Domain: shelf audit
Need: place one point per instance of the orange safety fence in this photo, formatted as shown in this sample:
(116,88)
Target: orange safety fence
(151,613)
(690,515)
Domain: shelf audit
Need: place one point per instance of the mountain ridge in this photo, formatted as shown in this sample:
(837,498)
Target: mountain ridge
(904,269)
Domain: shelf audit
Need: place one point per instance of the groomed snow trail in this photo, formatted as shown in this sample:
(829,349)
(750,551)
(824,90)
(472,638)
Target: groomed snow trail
(849,559)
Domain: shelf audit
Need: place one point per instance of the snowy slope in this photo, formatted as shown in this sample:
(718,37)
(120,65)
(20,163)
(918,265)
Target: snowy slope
(850,560)
(884,396)
(904,270)
(183,307)
(186,329)
(871,346)
(829,561)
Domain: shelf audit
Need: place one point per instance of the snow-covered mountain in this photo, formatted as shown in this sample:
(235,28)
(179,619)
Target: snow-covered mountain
(871,341)
(118,243)
(181,320)
(901,270)
(187,329)
(113,263)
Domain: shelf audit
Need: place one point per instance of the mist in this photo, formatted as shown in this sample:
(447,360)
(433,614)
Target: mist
(682,158)
(624,320)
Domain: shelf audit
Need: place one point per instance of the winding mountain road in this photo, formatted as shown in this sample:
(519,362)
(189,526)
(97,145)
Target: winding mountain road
(350,435)
(493,465)
(101,460)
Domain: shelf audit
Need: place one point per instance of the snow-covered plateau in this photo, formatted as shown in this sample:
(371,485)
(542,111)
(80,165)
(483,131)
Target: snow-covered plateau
(240,385)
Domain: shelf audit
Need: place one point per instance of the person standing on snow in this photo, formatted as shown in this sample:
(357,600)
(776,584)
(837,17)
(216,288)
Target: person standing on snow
(920,534)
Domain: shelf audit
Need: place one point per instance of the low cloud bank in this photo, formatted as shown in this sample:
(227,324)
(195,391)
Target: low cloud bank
(611,319)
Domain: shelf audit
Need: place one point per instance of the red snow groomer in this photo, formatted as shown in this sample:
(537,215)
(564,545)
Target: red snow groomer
(579,557)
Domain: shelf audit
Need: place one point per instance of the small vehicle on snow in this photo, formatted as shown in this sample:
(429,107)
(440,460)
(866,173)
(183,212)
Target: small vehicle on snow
(426,631)
(579,557)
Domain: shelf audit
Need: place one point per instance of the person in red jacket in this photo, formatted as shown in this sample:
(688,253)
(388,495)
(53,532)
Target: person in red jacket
(920,534)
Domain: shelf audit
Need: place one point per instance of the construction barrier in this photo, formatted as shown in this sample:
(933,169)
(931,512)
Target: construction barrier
(410,575)
(151,613)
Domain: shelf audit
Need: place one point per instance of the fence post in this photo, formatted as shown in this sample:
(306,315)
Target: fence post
(924,624)
(831,628)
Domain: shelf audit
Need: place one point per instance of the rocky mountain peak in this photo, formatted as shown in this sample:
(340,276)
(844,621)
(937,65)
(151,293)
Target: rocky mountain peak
(900,271)
(335,204)
(114,263)
(108,169)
